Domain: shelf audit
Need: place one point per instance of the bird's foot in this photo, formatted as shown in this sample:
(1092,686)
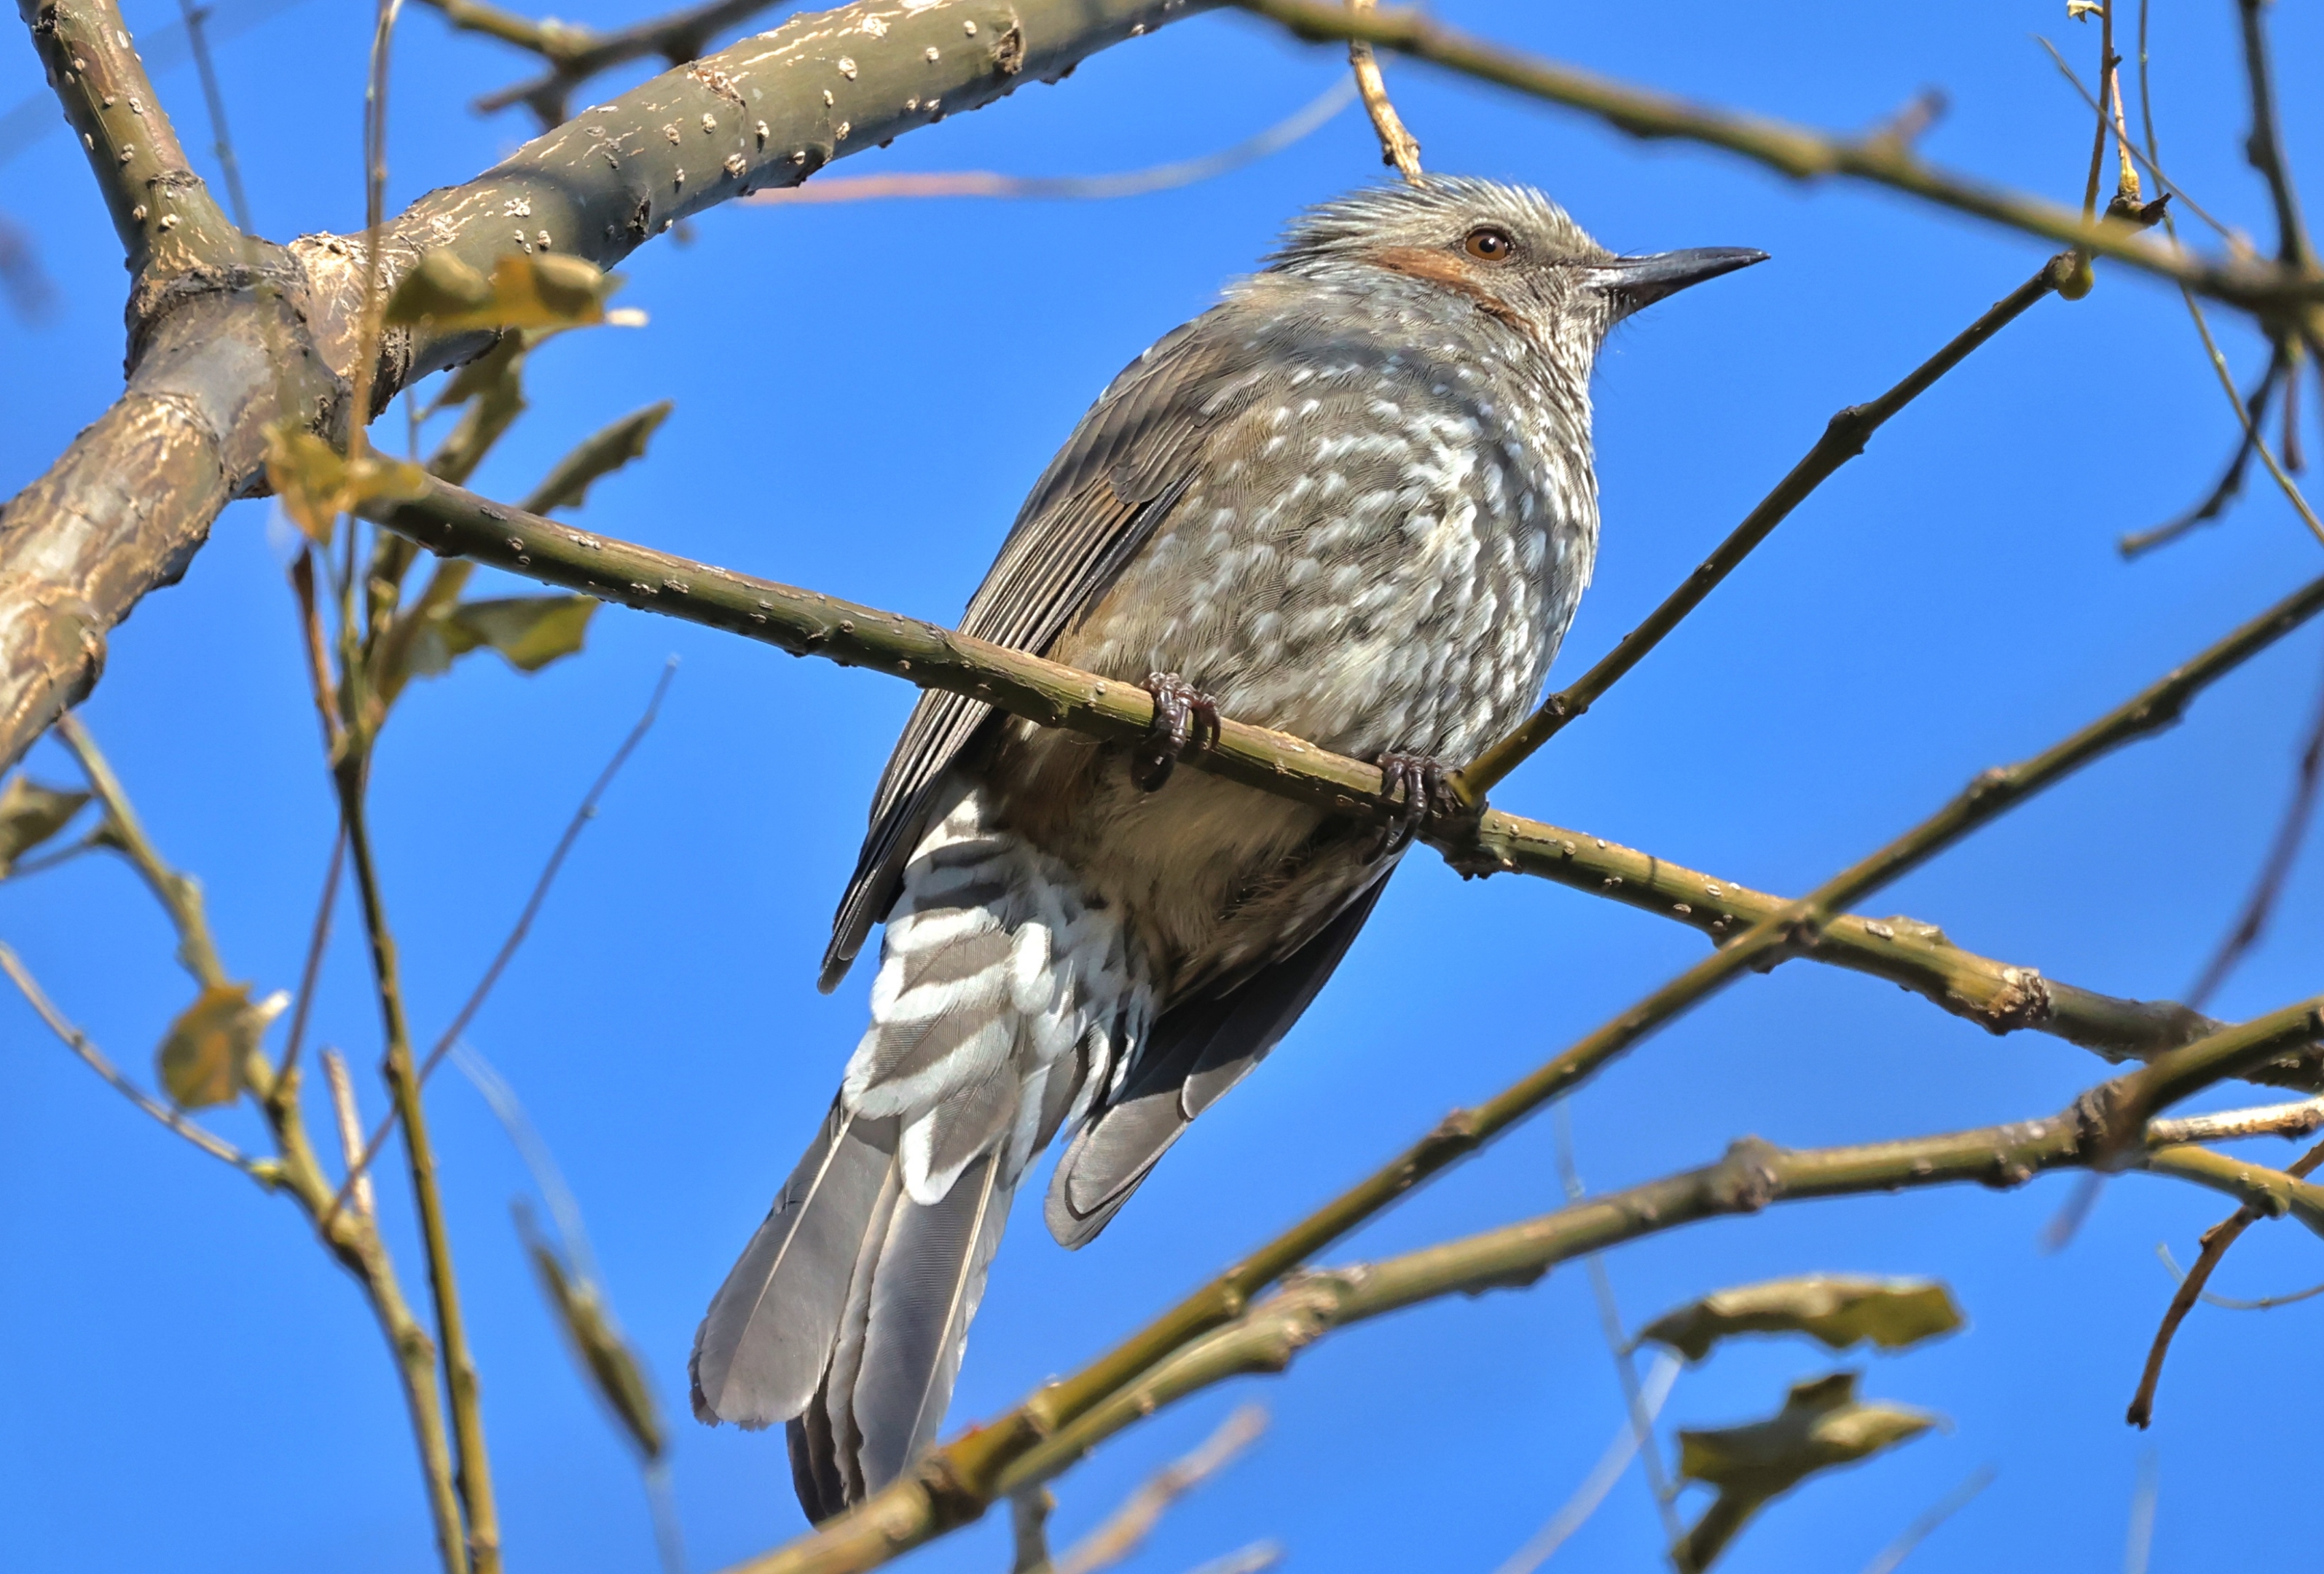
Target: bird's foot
(1413,791)
(1186,719)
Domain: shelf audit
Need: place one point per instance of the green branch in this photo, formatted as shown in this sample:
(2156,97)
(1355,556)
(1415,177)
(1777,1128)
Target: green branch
(1998,995)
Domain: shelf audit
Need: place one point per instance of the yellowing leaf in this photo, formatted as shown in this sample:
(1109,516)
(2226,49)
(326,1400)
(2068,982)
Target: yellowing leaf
(596,1342)
(1840,1310)
(491,386)
(201,1060)
(316,483)
(30,814)
(536,290)
(1822,1426)
(531,631)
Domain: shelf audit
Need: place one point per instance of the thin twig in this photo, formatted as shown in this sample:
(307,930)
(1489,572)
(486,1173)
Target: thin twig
(2265,146)
(1625,1446)
(2162,182)
(1078,188)
(179,894)
(2138,1545)
(581,816)
(221,139)
(2283,852)
(1619,1343)
(1127,1528)
(2231,484)
(1844,437)
(1029,1523)
(575,53)
(349,1121)
(1921,1529)
(1398,147)
(2215,1244)
(2232,1302)
(319,937)
(2245,416)
(265,1172)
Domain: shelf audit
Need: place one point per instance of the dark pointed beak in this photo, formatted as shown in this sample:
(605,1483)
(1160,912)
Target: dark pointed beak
(1633,282)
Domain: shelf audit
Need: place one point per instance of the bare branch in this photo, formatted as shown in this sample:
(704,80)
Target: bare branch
(2216,1242)
(1398,148)
(1794,150)
(1998,995)
(1127,1528)
(1630,1441)
(231,335)
(262,1170)
(1076,188)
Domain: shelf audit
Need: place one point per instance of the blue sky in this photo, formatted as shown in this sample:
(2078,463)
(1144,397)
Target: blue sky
(863,392)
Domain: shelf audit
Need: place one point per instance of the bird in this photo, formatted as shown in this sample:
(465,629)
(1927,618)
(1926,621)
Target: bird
(1353,501)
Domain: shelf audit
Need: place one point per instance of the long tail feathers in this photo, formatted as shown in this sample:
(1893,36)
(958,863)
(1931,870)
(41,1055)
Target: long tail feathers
(1002,998)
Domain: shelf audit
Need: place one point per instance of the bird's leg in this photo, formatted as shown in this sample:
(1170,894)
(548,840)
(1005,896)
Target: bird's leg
(1413,791)
(1184,719)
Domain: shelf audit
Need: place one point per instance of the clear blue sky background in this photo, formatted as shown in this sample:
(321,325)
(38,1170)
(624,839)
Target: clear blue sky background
(863,392)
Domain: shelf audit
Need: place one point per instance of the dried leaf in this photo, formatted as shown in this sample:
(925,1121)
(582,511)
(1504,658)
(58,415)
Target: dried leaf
(30,814)
(1822,1426)
(201,1060)
(1840,1310)
(602,453)
(606,1358)
(316,483)
(2083,10)
(540,290)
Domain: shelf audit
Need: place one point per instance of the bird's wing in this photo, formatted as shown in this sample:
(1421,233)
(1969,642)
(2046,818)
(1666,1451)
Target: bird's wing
(1125,466)
(1197,1050)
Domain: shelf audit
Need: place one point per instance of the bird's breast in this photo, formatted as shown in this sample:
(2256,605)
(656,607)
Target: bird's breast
(1379,557)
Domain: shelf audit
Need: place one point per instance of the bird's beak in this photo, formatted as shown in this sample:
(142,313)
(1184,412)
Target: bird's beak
(1633,282)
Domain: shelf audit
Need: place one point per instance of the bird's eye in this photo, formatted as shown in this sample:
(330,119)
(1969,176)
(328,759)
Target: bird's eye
(1490,243)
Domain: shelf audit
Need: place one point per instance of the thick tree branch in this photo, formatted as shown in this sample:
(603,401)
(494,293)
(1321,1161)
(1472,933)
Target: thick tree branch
(229,335)
(1998,995)
(1794,150)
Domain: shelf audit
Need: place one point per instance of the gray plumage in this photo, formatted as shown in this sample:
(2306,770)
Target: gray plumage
(1353,501)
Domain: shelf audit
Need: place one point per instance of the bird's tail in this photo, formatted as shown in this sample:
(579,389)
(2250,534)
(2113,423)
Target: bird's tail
(1003,1002)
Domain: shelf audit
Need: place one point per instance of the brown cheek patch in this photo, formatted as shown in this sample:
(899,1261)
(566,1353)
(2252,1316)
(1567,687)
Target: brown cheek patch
(1421,262)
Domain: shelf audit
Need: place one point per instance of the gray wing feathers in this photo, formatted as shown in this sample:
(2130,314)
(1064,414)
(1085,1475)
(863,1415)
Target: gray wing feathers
(1195,1053)
(761,1348)
(1126,464)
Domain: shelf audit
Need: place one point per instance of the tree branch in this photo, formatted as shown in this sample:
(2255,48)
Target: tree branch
(1843,439)
(1790,150)
(1998,995)
(1267,1336)
(964,1478)
(230,334)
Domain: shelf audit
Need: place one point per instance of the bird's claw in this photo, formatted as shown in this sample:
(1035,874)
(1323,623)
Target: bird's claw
(1413,790)
(1186,719)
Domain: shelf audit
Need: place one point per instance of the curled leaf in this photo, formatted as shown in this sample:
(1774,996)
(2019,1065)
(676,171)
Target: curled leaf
(491,386)
(526,289)
(606,1358)
(599,455)
(1822,1426)
(30,814)
(1840,1310)
(201,1059)
(316,483)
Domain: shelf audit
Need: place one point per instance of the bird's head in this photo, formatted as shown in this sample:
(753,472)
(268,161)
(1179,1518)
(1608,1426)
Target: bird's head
(1507,251)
